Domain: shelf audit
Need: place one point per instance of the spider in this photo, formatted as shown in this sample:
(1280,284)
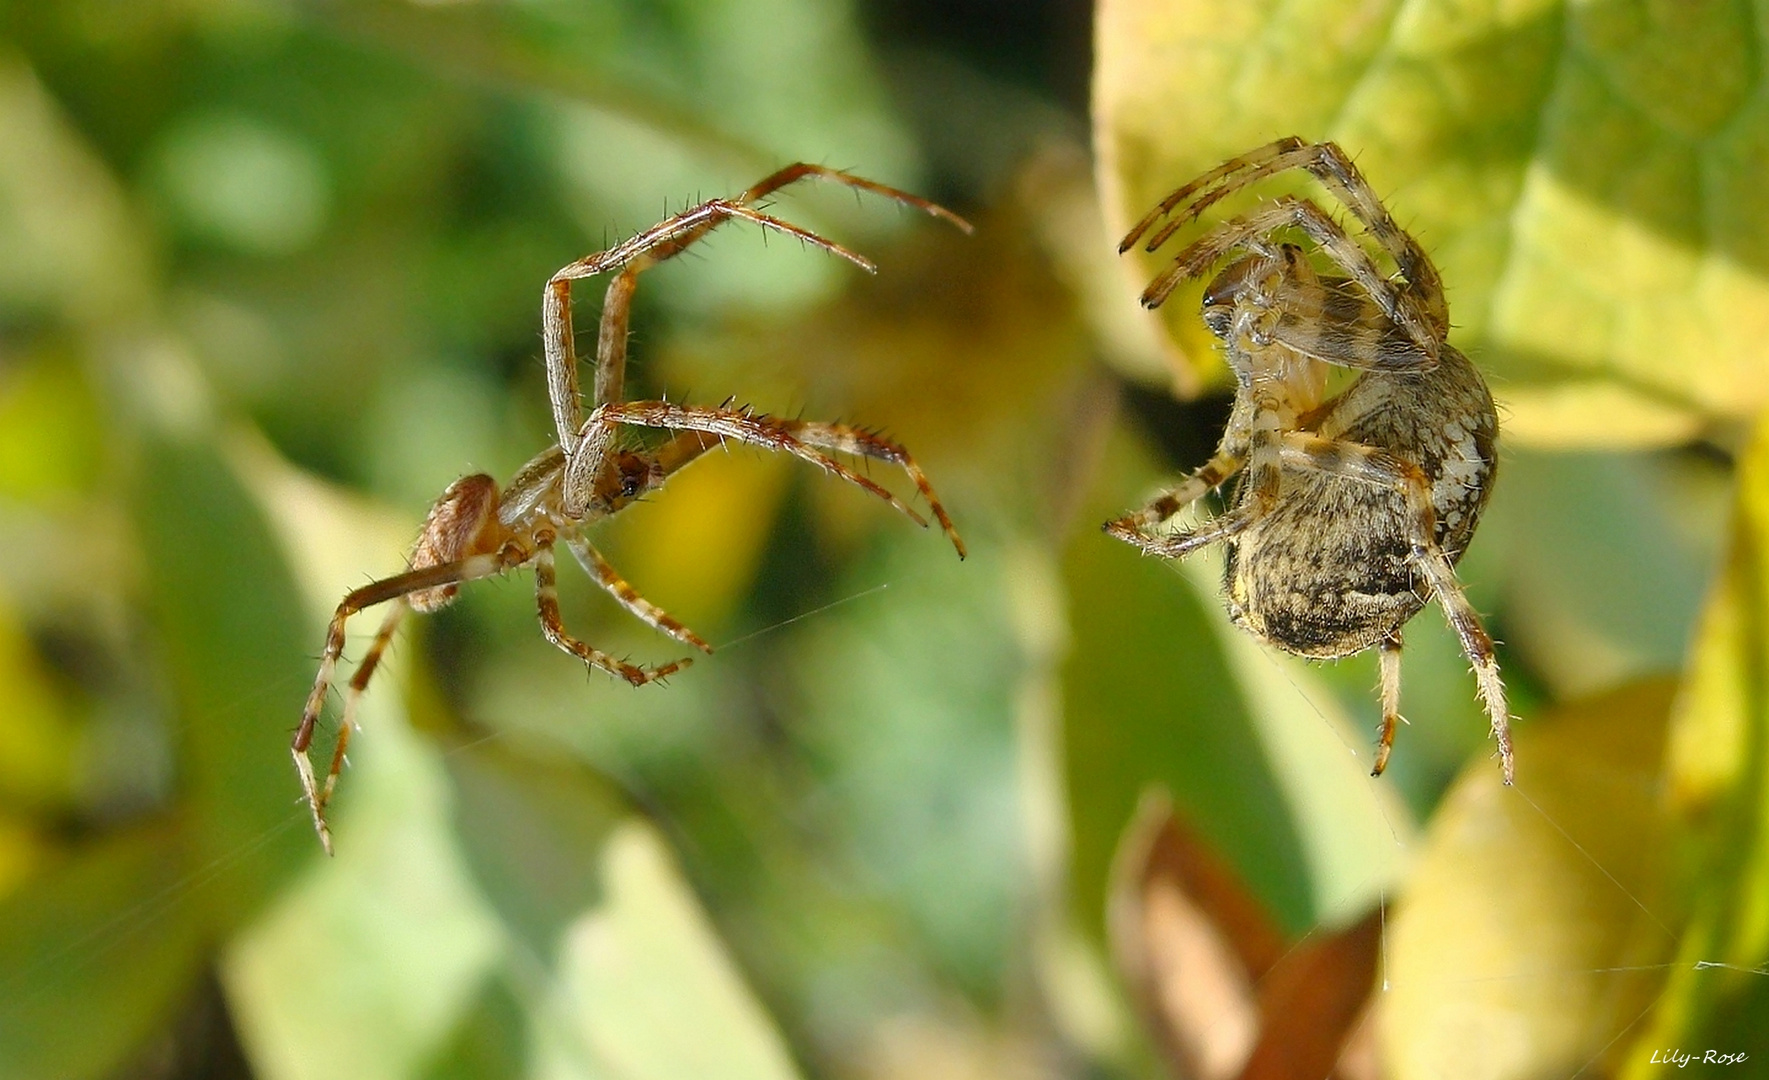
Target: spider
(1351,510)
(475,531)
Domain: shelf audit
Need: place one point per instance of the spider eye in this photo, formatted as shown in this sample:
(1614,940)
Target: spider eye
(629,486)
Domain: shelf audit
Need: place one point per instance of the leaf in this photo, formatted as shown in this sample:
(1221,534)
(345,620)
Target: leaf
(1355,831)
(909,713)
(1719,790)
(1583,612)
(1533,931)
(111,929)
(1584,174)
(490,1042)
(366,965)
(38,739)
(72,247)
(1217,986)
(563,816)
(231,633)
(622,972)
(1148,697)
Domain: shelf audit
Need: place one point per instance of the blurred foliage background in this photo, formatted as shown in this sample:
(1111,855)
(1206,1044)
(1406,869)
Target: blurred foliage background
(269,278)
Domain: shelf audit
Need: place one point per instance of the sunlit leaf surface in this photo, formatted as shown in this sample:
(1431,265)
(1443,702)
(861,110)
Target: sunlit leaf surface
(1532,935)
(1584,174)
(1717,790)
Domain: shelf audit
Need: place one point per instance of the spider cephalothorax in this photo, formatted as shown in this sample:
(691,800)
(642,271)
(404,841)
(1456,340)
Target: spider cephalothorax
(475,531)
(1350,511)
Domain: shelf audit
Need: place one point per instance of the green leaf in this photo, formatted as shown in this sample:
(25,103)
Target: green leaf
(910,713)
(1534,929)
(622,972)
(1584,612)
(109,932)
(1585,175)
(1149,697)
(230,628)
(562,817)
(490,1042)
(367,964)
(1355,831)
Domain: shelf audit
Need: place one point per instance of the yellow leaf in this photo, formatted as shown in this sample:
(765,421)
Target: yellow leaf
(1533,931)
(1586,176)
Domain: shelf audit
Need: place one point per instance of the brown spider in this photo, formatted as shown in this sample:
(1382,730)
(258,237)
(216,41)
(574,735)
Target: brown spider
(1351,510)
(474,531)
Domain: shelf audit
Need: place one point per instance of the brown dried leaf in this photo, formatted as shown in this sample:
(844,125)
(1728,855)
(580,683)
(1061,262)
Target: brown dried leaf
(1217,991)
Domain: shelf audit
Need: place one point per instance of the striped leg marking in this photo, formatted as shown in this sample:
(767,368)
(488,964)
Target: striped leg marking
(758,429)
(1329,164)
(394,588)
(1203,480)
(1259,493)
(1388,660)
(1286,212)
(546,592)
(605,575)
(861,443)
(1374,466)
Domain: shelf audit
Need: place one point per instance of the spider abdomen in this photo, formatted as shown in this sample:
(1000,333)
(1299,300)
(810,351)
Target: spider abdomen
(1327,573)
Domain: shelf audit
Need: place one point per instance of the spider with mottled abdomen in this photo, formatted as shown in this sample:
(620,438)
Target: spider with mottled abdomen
(1353,509)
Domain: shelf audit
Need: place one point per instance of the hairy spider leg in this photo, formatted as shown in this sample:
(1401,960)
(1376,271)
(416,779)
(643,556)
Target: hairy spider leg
(1370,465)
(646,249)
(1250,231)
(603,573)
(759,429)
(1388,666)
(1197,484)
(1230,457)
(1259,491)
(359,681)
(546,593)
(862,443)
(1329,319)
(1183,194)
(1328,163)
(654,245)
(397,587)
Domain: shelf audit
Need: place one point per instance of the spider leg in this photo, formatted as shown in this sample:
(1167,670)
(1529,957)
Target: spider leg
(546,592)
(1328,163)
(662,241)
(1259,493)
(803,170)
(1329,319)
(1365,463)
(756,429)
(1202,480)
(1249,231)
(1251,160)
(359,681)
(852,440)
(604,574)
(1388,660)
(397,587)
